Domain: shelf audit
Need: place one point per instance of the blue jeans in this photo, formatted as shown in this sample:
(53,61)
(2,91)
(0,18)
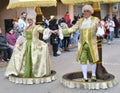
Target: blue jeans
(61,45)
(76,36)
(110,36)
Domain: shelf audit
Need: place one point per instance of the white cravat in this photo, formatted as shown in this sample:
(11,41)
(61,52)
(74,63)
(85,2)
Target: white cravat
(86,23)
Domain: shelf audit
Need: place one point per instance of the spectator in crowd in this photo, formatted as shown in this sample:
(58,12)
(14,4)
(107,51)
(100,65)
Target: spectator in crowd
(117,26)
(55,35)
(66,39)
(68,20)
(111,25)
(106,28)
(22,21)
(75,34)
(66,16)
(16,28)
(7,51)
(11,38)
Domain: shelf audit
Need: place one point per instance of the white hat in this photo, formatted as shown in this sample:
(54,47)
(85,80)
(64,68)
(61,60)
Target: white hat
(88,7)
(51,17)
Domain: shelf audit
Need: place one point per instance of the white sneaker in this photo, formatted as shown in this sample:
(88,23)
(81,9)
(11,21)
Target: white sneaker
(59,52)
(109,42)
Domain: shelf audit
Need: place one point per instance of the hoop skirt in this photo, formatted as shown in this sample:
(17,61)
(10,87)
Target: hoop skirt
(31,58)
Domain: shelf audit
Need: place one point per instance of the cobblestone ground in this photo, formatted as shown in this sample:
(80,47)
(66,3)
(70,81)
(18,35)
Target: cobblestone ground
(66,63)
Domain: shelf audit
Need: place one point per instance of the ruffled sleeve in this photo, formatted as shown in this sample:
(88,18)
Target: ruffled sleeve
(40,28)
(46,33)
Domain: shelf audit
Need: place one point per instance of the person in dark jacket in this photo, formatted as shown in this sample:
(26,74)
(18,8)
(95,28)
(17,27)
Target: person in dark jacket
(7,51)
(54,38)
(117,26)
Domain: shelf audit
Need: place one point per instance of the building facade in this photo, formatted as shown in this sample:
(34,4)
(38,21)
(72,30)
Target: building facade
(59,11)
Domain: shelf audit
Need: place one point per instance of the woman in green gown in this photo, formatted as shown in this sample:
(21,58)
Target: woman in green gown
(30,59)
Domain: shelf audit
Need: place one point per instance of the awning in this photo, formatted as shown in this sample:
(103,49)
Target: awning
(88,1)
(31,3)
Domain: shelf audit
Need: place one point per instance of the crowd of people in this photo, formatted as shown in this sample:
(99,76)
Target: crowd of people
(59,29)
(8,40)
(112,27)
(58,37)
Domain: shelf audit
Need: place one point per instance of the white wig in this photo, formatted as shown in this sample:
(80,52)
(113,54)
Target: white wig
(88,7)
(31,14)
(32,17)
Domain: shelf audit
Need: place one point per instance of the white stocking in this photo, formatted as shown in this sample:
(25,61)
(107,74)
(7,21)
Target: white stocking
(93,68)
(84,71)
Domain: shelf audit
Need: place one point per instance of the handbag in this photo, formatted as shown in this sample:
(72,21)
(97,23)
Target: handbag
(54,39)
(100,31)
